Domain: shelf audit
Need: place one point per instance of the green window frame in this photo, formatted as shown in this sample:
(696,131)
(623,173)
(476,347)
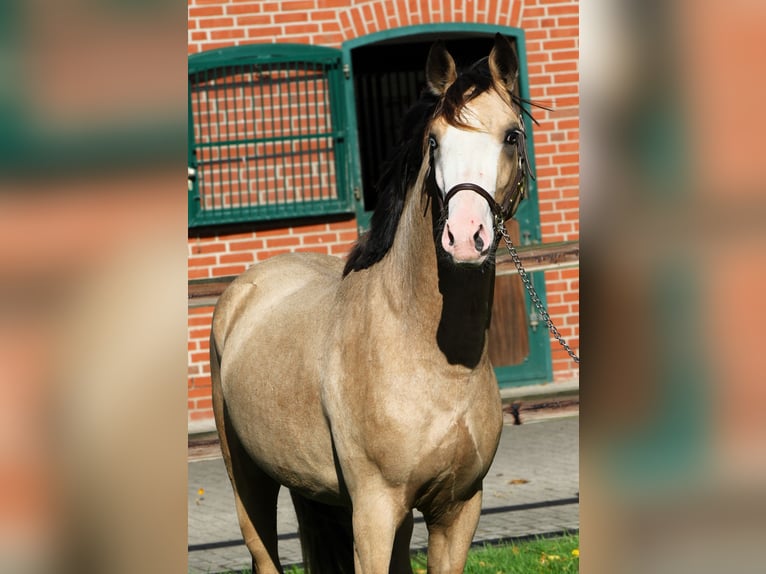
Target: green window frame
(267,134)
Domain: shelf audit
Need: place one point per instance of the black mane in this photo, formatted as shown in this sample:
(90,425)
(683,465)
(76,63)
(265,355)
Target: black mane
(399,174)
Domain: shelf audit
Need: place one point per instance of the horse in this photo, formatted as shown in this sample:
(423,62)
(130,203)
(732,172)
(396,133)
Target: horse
(364,386)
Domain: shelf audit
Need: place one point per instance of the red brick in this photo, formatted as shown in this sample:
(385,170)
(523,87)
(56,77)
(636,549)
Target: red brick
(569,158)
(206,414)
(567,204)
(567,78)
(198,392)
(547,172)
(539,57)
(197,248)
(540,79)
(563,55)
(201,312)
(570,169)
(214,45)
(200,333)
(228,270)
(572,296)
(340,250)
(204,403)
(198,274)
(318,15)
(562,31)
(570,273)
(226,34)
(560,44)
(550,217)
(301,29)
(565,66)
(197,11)
(536,34)
(251,20)
(568,21)
(282,242)
(202,382)
(320,238)
(566,181)
(264,32)
(303,5)
(561,90)
(243,257)
(252,245)
(333,3)
(216,22)
(330,34)
(569,124)
(248,8)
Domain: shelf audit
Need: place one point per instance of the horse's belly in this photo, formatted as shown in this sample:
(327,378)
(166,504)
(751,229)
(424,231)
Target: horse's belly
(283,431)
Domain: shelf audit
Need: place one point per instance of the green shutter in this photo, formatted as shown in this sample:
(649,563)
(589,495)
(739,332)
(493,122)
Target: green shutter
(267,134)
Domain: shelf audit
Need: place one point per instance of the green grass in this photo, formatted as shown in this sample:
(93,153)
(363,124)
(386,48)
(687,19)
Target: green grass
(551,555)
(540,555)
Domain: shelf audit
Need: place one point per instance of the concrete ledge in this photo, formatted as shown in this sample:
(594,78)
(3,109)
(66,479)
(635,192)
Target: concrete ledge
(542,390)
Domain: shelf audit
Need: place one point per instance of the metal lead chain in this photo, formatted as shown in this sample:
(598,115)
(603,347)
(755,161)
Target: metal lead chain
(533,294)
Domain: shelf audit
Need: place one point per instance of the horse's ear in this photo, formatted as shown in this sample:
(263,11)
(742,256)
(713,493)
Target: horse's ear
(504,64)
(440,69)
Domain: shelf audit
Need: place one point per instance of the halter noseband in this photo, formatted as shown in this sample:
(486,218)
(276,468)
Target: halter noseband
(501,213)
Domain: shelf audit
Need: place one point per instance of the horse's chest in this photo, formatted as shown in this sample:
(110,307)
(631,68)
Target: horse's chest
(454,458)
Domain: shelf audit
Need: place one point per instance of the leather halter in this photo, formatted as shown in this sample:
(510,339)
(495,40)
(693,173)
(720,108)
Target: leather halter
(501,213)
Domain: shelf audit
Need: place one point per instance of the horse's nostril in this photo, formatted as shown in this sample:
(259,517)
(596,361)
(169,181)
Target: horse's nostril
(451,237)
(478,241)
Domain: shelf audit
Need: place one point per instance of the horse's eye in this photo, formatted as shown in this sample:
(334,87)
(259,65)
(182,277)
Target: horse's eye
(512,137)
(432,142)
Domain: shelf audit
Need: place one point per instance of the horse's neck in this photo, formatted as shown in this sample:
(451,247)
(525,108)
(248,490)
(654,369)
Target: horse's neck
(452,304)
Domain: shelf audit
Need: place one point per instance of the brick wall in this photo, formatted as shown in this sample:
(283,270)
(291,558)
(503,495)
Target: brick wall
(551,28)
(199,405)
(222,255)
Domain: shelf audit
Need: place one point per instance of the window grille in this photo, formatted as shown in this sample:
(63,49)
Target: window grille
(267,137)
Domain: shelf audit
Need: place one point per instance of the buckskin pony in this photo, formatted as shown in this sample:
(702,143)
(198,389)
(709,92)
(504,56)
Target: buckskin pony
(364,386)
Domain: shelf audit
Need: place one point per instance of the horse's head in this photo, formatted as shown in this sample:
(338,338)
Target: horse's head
(477,149)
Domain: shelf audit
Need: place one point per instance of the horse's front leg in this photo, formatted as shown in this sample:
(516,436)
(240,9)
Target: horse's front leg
(450,533)
(378,514)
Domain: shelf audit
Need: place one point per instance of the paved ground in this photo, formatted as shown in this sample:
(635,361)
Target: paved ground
(531,488)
